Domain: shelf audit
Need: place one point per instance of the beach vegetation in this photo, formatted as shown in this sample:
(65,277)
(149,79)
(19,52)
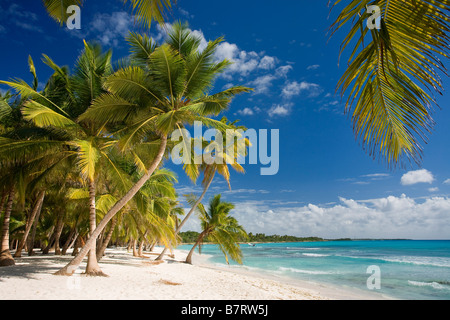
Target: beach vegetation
(220,227)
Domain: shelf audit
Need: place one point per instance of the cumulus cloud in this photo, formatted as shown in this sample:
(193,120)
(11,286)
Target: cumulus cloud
(294,88)
(262,84)
(390,217)
(246,112)
(280,110)
(267,63)
(447,181)
(108,29)
(418,176)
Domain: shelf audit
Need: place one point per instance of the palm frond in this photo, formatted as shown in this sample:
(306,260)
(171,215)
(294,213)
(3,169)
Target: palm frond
(148,10)
(392,73)
(57,9)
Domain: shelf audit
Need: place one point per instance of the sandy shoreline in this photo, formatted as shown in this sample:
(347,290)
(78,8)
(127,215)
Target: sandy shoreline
(132,278)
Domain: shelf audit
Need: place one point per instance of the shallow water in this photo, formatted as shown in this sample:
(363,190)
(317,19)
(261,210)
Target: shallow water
(407,269)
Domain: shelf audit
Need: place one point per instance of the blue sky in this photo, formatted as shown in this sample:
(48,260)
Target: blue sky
(327,185)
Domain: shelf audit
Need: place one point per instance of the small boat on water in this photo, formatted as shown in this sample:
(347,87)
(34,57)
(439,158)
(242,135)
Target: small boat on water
(252,245)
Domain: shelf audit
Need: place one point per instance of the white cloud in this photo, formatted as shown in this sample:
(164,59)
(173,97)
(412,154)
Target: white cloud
(390,217)
(418,176)
(21,18)
(435,189)
(279,110)
(294,88)
(262,84)
(282,71)
(108,29)
(313,67)
(267,63)
(246,112)
(447,181)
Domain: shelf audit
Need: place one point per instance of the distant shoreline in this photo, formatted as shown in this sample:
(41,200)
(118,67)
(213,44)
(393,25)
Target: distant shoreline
(292,239)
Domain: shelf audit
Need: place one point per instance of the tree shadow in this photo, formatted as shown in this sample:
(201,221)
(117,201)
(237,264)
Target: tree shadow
(30,267)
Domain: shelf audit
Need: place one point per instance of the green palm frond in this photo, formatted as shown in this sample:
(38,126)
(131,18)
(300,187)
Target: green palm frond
(145,10)
(5,108)
(392,73)
(43,116)
(26,92)
(167,68)
(88,155)
(148,10)
(33,72)
(141,47)
(57,9)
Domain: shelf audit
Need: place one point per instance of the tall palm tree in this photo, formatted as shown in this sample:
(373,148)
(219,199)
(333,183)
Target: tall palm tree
(220,228)
(222,161)
(64,99)
(393,72)
(165,90)
(145,10)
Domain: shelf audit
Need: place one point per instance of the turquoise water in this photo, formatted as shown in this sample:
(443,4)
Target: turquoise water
(416,270)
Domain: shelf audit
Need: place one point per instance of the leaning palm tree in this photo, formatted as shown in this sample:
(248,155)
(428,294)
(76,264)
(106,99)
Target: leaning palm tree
(219,227)
(393,72)
(145,10)
(165,90)
(221,159)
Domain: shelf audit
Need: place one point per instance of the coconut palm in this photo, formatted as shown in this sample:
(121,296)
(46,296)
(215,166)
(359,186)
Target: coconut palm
(220,228)
(58,107)
(145,10)
(392,73)
(221,159)
(166,90)
(21,160)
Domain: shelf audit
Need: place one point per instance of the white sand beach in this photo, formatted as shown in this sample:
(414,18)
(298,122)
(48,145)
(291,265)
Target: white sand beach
(132,278)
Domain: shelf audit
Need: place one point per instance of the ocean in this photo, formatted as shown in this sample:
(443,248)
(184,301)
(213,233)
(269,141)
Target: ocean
(399,269)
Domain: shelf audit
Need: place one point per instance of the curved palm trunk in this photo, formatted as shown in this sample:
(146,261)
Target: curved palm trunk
(70,240)
(33,233)
(59,229)
(189,214)
(70,268)
(92,267)
(6,259)
(33,215)
(199,240)
(102,248)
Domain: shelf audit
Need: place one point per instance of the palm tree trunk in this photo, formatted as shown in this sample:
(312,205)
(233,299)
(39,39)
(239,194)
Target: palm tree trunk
(33,233)
(189,214)
(77,245)
(69,240)
(101,250)
(36,208)
(6,259)
(3,200)
(92,267)
(199,240)
(50,241)
(59,229)
(135,254)
(70,268)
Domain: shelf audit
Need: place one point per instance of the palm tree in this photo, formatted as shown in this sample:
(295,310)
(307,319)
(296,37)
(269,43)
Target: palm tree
(145,10)
(165,90)
(392,73)
(57,109)
(220,228)
(220,165)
